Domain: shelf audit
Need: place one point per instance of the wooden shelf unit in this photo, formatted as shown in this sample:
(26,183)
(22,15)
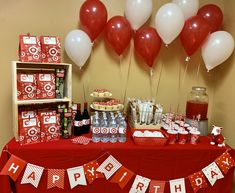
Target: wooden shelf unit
(25,67)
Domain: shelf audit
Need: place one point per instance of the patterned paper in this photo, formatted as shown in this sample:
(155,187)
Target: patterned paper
(140,184)
(81,140)
(177,186)
(32,175)
(26,86)
(29,49)
(45,86)
(50,49)
(13,167)
(225,162)
(109,167)
(198,181)
(90,171)
(213,173)
(76,176)
(55,178)
(122,177)
(156,186)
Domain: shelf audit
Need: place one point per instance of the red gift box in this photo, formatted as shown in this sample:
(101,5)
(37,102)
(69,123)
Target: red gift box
(29,49)
(50,129)
(29,131)
(26,86)
(45,86)
(50,49)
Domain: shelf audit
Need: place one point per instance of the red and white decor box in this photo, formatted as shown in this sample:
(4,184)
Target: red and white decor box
(45,86)
(50,129)
(26,86)
(29,131)
(29,49)
(51,48)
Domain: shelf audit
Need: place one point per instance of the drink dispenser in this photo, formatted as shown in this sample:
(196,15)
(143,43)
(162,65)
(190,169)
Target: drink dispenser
(196,109)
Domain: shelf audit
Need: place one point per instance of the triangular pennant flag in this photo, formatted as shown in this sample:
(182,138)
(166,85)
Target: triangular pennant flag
(140,185)
(212,173)
(198,181)
(177,186)
(122,177)
(225,162)
(13,167)
(109,167)
(76,176)
(32,175)
(90,171)
(55,178)
(156,186)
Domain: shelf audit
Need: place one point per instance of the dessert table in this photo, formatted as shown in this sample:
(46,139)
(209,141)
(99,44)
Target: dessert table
(159,163)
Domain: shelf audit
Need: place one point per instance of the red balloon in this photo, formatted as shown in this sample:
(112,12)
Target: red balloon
(195,31)
(118,33)
(93,17)
(147,44)
(213,15)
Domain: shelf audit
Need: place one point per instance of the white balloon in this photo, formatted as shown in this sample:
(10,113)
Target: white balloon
(218,47)
(188,7)
(137,12)
(78,47)
(169,21)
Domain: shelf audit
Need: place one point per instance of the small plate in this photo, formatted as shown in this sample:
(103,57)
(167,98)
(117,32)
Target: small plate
(102,109)
(106,96)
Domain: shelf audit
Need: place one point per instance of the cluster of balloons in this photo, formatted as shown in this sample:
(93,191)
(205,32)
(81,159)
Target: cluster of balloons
(197,28)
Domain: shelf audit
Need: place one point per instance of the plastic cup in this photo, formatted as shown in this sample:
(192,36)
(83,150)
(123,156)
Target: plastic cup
(194,136)
(172,136)
(183,137)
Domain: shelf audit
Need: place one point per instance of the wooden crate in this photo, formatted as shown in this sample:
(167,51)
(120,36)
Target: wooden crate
(18,66)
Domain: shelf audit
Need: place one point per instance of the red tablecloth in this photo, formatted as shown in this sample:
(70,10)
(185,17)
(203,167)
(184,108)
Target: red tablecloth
(159,163)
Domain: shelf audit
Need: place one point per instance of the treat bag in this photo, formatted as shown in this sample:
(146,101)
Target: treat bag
(45,86)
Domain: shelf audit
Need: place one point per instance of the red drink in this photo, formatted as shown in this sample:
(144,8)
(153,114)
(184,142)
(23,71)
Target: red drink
(194,108)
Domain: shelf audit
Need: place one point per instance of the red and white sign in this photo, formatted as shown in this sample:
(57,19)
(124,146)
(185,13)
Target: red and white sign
(29,131)
(26,86)
(13,167)
(45,86)
(51,48)
(140,184)
(177,186)
(32,175)
(156,186)
(50,129)
(225,162)
(198,181)
(55,178)
(122,177)
(29,49)
(109,167)
(212,173)
(76,176)
(90,171)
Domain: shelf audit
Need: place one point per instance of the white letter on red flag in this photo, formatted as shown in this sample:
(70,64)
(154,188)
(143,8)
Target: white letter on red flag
(213,173)
(90,171)
(198,181)
(109,167)
(122,177)
(55,178)
(13,167)
(32,175)
(76,176)
(225,162)
(177,186)
(140,185)
(156,186)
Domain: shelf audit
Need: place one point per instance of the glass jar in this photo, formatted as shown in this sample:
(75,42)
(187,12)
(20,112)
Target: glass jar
(197,104)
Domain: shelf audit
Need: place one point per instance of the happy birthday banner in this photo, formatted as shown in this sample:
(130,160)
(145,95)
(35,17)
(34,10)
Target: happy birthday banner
(113,170)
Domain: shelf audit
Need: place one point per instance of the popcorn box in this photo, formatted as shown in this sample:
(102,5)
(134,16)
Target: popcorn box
(51,48)
(29,131)
(26,86)
(29,49)
(45,86)
(50,129)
